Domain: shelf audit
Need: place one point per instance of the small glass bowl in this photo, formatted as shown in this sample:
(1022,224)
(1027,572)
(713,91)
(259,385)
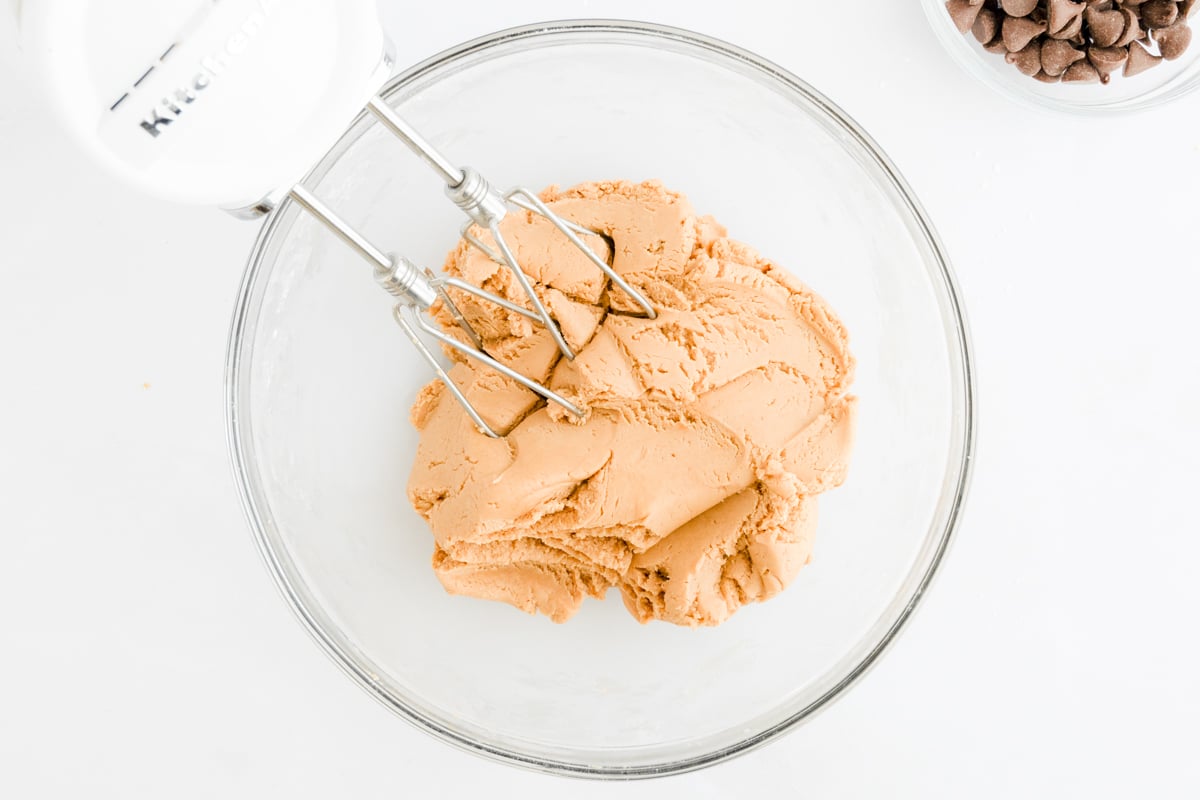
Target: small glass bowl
(1168,81)
(320,381)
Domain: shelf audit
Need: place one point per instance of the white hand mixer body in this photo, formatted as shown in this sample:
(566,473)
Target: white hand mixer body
(229,102)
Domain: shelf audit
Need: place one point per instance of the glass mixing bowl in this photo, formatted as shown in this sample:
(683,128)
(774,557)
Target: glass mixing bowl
(1165,82)
(320,381)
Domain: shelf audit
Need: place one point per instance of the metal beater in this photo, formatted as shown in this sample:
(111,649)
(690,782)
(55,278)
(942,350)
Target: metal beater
(418,289)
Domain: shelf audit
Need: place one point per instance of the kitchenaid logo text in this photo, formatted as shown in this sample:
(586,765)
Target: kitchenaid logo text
(170,107)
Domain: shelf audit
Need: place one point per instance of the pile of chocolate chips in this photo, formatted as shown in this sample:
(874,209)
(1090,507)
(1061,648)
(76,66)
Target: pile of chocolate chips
(1078,41)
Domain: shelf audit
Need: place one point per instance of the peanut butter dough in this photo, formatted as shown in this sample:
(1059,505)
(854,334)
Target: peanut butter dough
(691,483)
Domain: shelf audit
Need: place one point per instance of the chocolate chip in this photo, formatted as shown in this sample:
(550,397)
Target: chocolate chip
(1133,28)
(1107,60)
(987,26)
(1140,59)
(1081,72)
(1159,13)
(1062,14)
(996,46)
(1174,40)
(1020,31)
(1105,27)
(1057,55)
(1018,8)
(1044,78)
(1027,60)
(1072,31)
(963,14)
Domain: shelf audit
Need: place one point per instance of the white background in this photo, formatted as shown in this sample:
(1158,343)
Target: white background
(145,653)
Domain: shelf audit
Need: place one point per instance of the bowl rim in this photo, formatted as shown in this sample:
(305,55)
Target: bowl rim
(962,50)
(956,481)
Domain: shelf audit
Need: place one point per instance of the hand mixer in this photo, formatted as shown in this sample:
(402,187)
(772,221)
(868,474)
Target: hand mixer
(224,101)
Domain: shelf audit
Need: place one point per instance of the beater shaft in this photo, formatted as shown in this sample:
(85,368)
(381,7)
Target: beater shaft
(356,240)
(406,133)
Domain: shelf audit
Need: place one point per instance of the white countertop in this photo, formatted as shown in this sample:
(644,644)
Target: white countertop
(147,654)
